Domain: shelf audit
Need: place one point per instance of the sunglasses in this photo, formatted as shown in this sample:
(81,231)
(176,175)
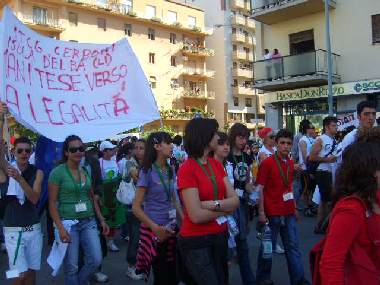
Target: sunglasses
(21,150)
(76,149)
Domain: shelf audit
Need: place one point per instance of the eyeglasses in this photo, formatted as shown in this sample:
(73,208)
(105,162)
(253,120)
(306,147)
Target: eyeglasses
(21,150)
(76,149)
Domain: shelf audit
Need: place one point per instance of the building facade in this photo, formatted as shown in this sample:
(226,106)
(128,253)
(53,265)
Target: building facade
(234,39)
(294,81)
(168,37)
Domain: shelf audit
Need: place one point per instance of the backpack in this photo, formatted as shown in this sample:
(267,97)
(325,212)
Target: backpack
(316,252)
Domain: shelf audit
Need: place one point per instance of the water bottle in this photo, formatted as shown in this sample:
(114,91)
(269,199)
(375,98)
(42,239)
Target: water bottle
(266,242)
(230,172)
(252,198)
(232,226)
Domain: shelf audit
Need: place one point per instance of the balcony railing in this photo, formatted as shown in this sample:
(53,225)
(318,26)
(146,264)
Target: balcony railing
(238,4)
(50,20)
(184,115)
(250,23)
(192,71)
(243,90)
(292,70)
(238,20)
(238,37)
(191,49)
(274,11)
(197,94)
(240,72)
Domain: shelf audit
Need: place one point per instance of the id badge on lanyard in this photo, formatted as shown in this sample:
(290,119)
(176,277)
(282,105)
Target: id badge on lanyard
(80,207)
(288,196)
(172,214)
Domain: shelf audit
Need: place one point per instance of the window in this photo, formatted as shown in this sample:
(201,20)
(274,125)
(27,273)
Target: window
(172,17)
(234,47)
(73,19)
(39,15)
(234,64)
(151,34)
(246,50)
(173,38)
(172,61)
(236,101)
(128,30)
(150,11)
(102,24)
(235,84)
(152,82)
(376,28)
(248,102)
(151,57)
(191,21)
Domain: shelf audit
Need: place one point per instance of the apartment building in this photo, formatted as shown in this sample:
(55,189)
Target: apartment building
(234,39)
(295,81)
(168,38)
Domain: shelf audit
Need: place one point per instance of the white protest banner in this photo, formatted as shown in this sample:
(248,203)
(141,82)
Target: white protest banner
(346,120)
(59,88)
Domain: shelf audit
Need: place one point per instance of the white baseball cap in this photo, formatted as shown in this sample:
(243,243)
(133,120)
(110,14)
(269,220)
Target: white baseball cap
(106,144)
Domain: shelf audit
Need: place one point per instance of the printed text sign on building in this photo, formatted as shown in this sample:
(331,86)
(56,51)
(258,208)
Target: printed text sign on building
(59,88)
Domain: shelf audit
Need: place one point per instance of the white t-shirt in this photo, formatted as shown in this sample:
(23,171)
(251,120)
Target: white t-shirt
(309,143)
(266,151)
(327,144)
(109,168)
(349,139)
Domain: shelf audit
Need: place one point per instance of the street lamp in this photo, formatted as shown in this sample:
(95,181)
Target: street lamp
(253,75)
(329,59)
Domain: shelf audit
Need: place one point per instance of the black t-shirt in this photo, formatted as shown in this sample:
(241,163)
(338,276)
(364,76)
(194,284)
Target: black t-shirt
(17,215)
(240,169)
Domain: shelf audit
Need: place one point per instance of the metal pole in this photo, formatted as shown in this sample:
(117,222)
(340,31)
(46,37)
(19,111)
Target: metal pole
(256,96)
(329,58)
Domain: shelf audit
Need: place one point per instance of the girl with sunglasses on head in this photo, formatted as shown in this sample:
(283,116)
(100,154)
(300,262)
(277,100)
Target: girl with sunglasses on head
(208,198)
(156,191)
(72,208)
(268,149)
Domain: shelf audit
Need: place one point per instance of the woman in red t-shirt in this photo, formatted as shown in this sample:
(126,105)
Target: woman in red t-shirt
(208,197)
(351,255)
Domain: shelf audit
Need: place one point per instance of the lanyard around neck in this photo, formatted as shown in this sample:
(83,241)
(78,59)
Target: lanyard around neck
(166,186)
(78,186)
(242,159)
(285,179)
(212,177)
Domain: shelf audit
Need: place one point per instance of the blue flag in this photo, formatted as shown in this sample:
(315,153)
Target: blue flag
(48,153)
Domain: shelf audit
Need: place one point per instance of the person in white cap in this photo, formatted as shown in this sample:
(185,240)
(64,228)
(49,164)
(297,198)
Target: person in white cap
(112,209)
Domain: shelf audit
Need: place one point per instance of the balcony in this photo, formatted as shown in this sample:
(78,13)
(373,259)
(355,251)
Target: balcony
(238,37)
(198,72)
(243,90)
(194,50)
(238,20)
(182,115)
(238,4)
(47,22)
(295,71)
(198,94)
(275,11)
(241,72)
(250,23)
(239,55)
(250,41)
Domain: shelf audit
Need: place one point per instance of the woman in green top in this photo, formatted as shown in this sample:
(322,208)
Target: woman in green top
(71,202)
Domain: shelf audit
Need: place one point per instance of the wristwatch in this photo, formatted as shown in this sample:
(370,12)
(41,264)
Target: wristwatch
(216,205)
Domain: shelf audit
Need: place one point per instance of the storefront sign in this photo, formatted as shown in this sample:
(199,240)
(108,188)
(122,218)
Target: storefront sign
(351,88)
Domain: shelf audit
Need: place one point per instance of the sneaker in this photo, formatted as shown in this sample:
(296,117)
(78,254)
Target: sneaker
(279,249)
(131,273)
(100,277)
(112,246)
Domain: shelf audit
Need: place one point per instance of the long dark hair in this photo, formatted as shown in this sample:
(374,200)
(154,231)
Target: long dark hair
(140,141)
(238,129)
(355,176)
(150,155)
(65,147)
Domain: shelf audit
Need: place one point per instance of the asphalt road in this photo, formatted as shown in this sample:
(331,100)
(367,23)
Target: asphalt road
(114,264)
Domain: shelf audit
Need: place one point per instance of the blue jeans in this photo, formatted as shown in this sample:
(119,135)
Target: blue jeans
(84,234)
(290,238)
(1,232)
(241,217)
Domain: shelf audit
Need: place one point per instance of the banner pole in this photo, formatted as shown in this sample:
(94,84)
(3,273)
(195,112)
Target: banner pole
(7,137)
